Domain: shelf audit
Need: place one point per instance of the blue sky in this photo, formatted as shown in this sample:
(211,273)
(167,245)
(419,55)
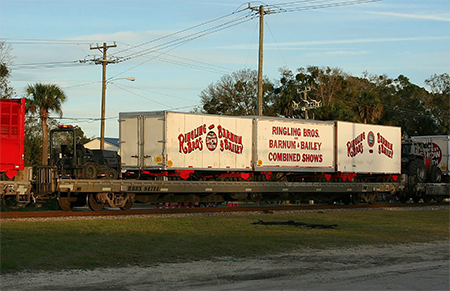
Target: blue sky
(392,37)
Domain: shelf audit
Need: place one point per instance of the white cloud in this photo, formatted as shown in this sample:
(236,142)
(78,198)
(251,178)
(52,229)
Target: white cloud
(365,40)
(436,17)
(297,45)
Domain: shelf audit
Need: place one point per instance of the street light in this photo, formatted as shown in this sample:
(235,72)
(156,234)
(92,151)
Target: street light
(102,126)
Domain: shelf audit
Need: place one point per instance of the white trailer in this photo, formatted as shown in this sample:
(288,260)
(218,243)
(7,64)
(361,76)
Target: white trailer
(367,148)
(293,145)
(440,150)
(184,141)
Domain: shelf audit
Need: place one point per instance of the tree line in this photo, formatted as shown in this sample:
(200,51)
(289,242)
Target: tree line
(325,93)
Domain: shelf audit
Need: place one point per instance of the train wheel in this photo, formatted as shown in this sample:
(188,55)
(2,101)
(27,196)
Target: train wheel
(64,203)
(373,199)
(426,199)
(127,205)
(10,201)
(370,198)
(93,204)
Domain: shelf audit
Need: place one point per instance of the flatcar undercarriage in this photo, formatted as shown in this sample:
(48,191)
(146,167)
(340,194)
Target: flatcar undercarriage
(98,193)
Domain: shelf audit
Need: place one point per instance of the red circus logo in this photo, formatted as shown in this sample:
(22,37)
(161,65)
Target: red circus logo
(436,155)
(371,139)
(211,140)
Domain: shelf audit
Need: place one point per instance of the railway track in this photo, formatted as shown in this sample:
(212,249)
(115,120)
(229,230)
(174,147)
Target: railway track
(84,212)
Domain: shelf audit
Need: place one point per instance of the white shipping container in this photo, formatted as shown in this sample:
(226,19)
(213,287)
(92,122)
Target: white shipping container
(293,145)
(440,152)
(173,140)
(366,148)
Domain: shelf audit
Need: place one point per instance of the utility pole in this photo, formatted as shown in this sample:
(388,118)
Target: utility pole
(104,61)
(260,60)
(261,12)
(309,103)
(305,99)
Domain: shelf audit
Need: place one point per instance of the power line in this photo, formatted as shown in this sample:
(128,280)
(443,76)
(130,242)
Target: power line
(151,91)
(190,37)
(143,97)
(180,31)
(295,6)
(48,65)
(41,41)
(190,63)
(276,43)
(186,62)
(164,48)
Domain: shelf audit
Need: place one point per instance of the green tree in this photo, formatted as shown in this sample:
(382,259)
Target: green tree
(286,94)
(336,110)
(41,100)
(439,84)
(324,85)
(439,101)
(407,108)
(368,99)
(365,95)
(33,142)
(33,139)
(236,94)
(6,91)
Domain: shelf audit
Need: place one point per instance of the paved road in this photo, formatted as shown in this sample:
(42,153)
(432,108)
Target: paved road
(402,267)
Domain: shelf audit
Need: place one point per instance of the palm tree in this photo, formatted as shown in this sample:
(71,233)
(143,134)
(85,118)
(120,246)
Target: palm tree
(43,98)
(370,107)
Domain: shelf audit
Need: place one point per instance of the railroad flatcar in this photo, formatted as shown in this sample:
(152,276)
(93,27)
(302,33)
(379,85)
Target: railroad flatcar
(199,158)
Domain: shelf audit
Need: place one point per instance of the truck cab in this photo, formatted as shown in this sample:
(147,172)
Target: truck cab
(73,160)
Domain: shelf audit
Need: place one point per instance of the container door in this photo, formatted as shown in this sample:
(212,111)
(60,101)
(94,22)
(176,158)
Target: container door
(152,142)
(129,142)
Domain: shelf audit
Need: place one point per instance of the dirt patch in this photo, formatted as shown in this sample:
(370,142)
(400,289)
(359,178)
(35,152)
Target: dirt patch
(402,267)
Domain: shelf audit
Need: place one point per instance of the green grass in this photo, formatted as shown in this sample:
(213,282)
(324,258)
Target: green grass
(87,244)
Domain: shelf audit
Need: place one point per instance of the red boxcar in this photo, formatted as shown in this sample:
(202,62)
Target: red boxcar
(12,134)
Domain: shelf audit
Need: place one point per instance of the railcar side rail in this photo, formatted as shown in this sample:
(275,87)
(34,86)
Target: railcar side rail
(151,187)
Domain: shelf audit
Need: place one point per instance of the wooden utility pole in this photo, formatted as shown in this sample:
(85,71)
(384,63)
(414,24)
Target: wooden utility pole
(261,12)
(260,60)
(104,61)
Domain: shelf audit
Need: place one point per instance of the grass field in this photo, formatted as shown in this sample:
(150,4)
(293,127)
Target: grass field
(88,244)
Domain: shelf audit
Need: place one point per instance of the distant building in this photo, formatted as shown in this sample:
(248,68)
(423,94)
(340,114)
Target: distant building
(111,144)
